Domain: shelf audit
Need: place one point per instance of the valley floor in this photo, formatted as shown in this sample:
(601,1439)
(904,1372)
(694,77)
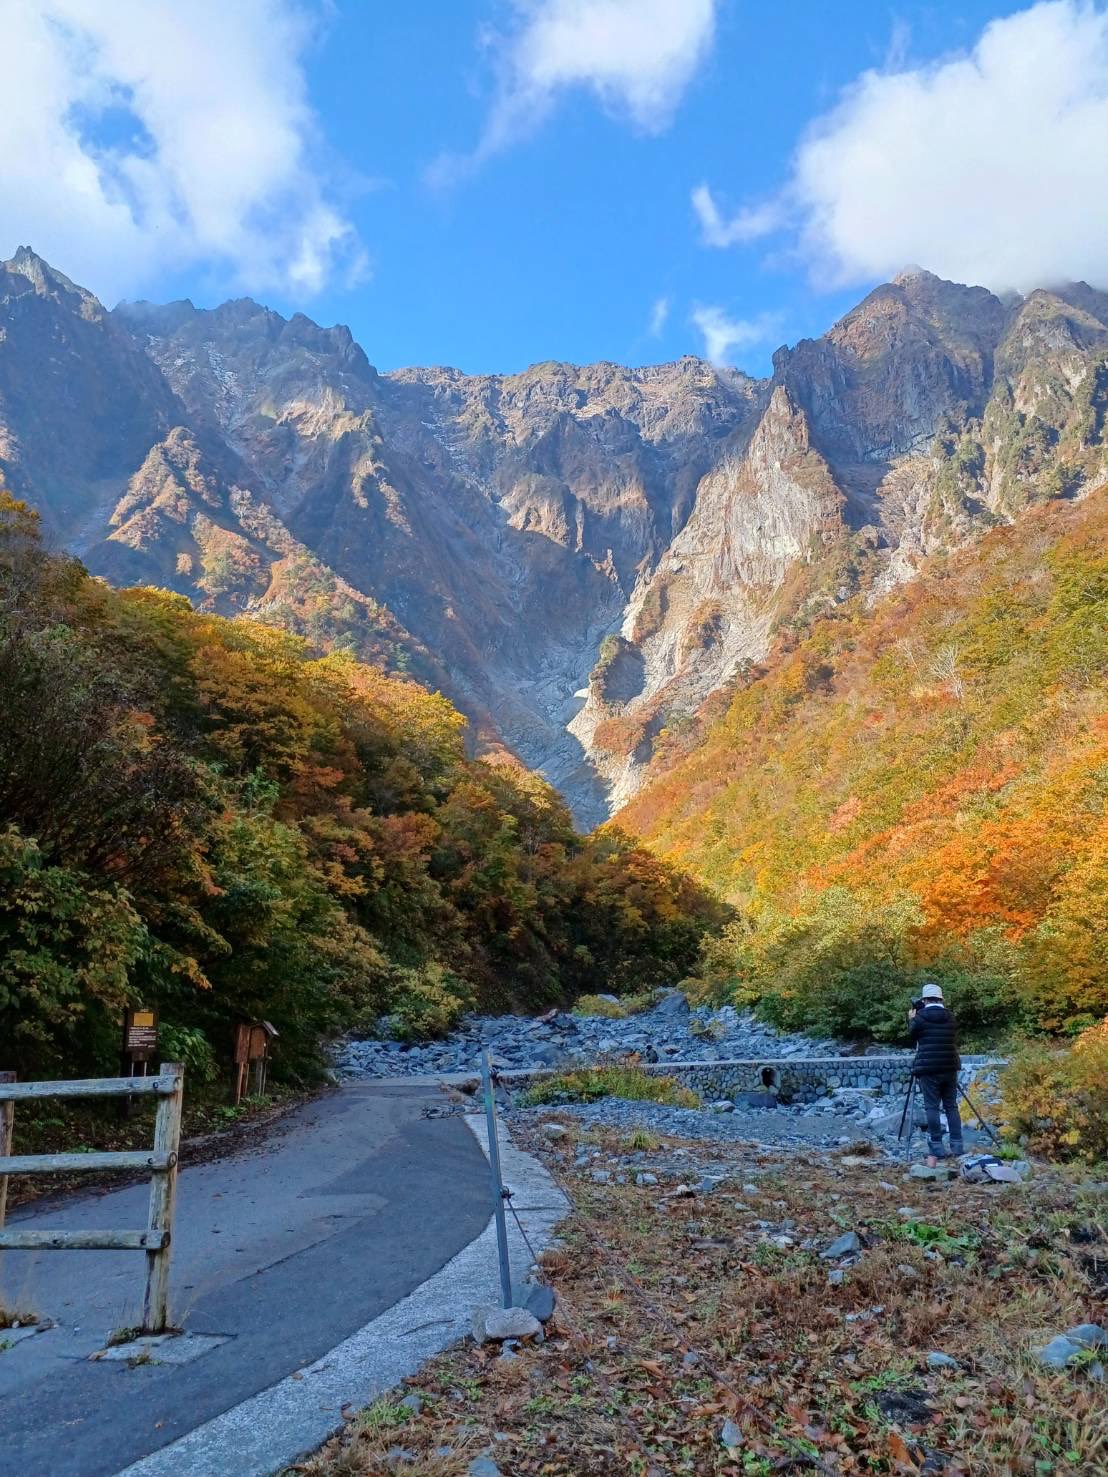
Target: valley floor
(700,1328)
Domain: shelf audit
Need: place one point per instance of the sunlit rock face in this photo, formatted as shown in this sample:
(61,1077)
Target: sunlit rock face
(580,556)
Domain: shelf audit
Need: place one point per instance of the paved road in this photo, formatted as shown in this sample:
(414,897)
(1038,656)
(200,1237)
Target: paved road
(285,1248)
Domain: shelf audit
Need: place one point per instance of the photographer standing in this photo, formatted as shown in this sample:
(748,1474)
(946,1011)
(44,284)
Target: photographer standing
(933,1030)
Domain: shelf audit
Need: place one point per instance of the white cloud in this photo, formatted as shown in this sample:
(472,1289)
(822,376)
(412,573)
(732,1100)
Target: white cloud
(724,334)
(659,315)
(636,56)
(745,225)
(142,136)
(989,166)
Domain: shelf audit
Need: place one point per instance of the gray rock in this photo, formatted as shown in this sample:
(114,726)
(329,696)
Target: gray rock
(1059,1353)
(412,1402)
(483,1466)
(942,1172)
(1089,1335)
(537,1297)
(836,1276)
(493,1325)
(937,1360)
(646,1178)
(554,1131)
(730,1435)
(846,1244)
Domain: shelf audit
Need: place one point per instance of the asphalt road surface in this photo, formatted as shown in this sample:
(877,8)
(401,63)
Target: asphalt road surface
(284,1248)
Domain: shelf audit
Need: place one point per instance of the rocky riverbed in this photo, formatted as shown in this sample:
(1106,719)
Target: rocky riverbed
(672,1030)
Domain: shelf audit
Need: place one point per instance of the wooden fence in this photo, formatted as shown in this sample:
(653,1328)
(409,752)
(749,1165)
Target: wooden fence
(160,1162)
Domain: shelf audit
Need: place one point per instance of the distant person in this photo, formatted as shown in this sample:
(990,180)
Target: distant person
(934,1032)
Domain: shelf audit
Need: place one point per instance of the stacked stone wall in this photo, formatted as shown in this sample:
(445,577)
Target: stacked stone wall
(794,1079)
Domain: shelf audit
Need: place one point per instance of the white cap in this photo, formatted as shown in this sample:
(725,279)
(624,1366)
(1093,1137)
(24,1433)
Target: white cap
(931,992)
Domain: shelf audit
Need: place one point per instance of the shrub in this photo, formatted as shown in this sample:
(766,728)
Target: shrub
(624,1081)
(188,1045)
(427,1002)
(1057,1102)
(616,1010)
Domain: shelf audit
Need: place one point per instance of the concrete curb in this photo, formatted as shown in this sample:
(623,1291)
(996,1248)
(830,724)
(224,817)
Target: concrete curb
(291,1419)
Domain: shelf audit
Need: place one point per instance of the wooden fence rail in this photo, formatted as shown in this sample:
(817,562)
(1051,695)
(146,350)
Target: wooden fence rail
(160,1162)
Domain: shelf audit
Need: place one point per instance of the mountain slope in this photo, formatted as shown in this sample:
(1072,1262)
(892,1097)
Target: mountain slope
(921,781)
(579,556)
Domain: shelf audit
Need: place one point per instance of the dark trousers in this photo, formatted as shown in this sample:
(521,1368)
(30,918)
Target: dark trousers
(941,1092)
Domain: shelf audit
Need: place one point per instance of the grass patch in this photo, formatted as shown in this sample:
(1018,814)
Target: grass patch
(589,1084)
(616,1010)
(931,1238)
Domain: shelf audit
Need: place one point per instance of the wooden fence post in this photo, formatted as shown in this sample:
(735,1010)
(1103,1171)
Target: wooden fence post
(7,1124)
(163,1197)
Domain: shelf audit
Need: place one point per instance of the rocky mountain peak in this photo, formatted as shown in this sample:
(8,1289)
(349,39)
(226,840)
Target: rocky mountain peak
(579,554)
(47,281)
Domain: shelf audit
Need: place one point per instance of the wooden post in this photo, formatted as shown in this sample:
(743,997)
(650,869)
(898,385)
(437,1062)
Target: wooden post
(163,1197)
(7,1124)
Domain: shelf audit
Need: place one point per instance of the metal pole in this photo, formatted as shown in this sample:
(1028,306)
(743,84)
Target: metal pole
(497,1183)
(910,1114)
(969,1103)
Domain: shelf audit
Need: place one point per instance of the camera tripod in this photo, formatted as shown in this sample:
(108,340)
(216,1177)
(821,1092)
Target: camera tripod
(908,1117)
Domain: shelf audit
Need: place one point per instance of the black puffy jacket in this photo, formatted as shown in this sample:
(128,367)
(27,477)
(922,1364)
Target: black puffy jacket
(936,1040)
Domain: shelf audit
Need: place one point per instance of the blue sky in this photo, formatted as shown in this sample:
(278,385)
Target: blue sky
(479,183)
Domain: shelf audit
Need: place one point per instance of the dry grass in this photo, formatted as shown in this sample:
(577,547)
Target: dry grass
(644,1276)
(616,1010)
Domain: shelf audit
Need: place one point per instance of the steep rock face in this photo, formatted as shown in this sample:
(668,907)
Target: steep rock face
(80,403)
(504,520)
(711,602)
(579,556)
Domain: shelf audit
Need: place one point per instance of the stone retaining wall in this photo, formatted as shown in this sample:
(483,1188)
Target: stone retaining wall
(794,1078)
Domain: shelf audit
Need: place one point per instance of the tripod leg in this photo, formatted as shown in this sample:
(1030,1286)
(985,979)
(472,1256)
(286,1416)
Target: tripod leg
(964,1095)
(911,1110)
(904,1111)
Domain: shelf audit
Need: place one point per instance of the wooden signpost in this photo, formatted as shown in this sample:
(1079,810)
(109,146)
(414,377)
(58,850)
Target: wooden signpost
(252,1045)
(139,1048)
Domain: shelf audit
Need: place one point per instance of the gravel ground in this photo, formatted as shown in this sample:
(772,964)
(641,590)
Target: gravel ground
(670,1031)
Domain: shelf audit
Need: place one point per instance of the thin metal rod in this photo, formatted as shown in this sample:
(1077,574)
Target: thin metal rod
(907,1116)
(497,1182)
(964,1095)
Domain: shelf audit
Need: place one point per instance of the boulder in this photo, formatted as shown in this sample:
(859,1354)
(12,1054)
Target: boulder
(1089,1336)
(1060,1352)
(494,1325)
(937,1360)
(942,1172)
(537,1297)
